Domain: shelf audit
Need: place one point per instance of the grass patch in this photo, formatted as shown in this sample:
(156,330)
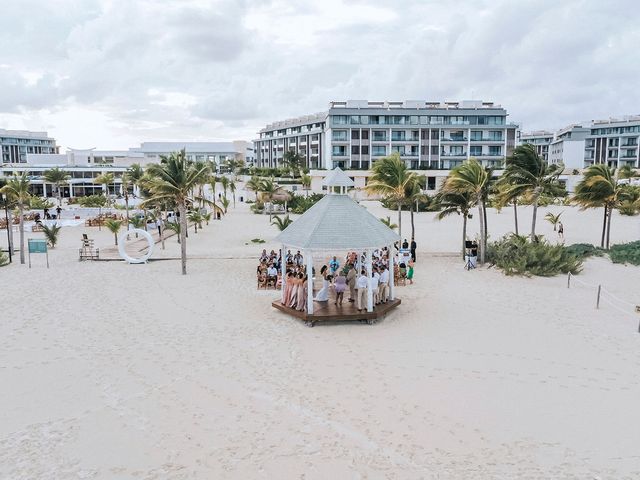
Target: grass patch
(626,253)
(584,250)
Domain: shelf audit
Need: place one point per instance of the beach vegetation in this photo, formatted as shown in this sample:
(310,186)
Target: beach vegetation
(299,204)
(113,226)
(4,259)
(173,227)
(387,221)
(51,234)
(138,221)
(57,177)
(17,191)
(93,201)
(38,203)
(473,180)
(253,184)
(292,162)
(281,223)
(460,204)
(173,180)
(625,253)
(105,179)
(224,201)
(257,240)
(392,179)
(553,219)
(518,255)
(599,188)
(584,250)
(196,218)
(527,175)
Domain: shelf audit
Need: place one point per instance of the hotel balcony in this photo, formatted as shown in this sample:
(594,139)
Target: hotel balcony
(454,140)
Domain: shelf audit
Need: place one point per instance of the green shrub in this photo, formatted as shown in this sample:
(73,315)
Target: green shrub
(37,203)
(93,201)
(517,255)
(584,250)
(257,240)
(300,204)
(626,253)
(257,207)
(4,259)
(428,204)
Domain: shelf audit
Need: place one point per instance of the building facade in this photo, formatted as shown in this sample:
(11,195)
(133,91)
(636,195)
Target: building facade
(614,142)
(567,147)
(15,145)
(427,135)
(541,140)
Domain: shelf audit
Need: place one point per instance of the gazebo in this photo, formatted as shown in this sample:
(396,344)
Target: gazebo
(338,223)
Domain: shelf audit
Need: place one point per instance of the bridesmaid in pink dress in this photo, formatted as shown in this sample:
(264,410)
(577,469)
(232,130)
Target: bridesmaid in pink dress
(301,297)
(286,294)
(293,292)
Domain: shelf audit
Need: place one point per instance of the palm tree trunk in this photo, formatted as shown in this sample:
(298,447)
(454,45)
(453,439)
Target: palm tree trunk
(482,232)
(115,235)
(126,207)
(399,220)
(12,249)
(604,227)
(486,224)
(21,210)
(464,234)
(609,225)
(413,227)
(183,237)
(59,195)
(533,220)
(515,214)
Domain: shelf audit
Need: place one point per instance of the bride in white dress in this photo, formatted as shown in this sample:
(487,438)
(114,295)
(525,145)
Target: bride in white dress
(323,294)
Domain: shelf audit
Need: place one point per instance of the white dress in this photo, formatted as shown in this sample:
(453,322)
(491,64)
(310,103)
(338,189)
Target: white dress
(323,294)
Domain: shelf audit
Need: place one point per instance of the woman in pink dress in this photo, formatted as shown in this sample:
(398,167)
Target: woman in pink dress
(286,286)
(293,292)
(302,298)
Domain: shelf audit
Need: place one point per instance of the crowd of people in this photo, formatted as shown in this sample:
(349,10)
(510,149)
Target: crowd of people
(338,276)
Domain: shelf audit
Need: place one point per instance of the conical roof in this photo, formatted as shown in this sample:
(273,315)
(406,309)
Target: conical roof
(337,178)
(337,222)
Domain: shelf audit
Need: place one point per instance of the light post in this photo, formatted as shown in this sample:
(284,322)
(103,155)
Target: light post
(5,199)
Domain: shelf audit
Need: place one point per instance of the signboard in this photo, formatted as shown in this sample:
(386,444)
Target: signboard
(37,246)
(404,255)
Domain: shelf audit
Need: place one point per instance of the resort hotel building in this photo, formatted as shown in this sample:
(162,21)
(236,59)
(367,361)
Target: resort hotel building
(427,135)
(17,144)
(85,165)
(614,142)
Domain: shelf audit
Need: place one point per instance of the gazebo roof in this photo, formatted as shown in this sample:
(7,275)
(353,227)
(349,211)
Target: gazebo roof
(337,222)
(337,178)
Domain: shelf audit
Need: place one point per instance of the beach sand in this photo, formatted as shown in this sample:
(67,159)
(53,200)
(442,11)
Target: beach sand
(111,370)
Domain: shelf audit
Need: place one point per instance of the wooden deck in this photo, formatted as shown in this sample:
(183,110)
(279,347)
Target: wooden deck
(329,312)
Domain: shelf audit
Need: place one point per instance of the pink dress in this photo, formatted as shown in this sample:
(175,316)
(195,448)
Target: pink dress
(302,297)
(293,294)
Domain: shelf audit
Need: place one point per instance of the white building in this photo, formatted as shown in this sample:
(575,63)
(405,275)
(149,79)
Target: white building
(15,145)
(568,146)
(540,139)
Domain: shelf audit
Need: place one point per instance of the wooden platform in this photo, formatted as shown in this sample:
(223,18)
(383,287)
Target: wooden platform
(329,312)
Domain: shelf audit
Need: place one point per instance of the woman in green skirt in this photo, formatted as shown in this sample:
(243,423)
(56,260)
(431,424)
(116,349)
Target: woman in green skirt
(410,272)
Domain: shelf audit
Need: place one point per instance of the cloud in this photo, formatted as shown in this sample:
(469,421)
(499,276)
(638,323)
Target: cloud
(145,70)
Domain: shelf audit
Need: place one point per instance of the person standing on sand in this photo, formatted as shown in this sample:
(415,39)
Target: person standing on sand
(351,281)
(362,284)
(413,247)
(560,230)
(410,271)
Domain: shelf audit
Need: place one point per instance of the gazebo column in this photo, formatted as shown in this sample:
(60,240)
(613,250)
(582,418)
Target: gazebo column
(309,258)
(283,264)
(391,285)
(369,273)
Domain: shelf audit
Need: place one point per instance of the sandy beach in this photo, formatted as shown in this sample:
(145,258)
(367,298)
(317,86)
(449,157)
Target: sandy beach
(111,370)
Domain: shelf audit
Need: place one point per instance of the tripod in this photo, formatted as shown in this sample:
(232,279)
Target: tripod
(469,257)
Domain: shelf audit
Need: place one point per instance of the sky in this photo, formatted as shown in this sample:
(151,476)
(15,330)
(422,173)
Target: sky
(111,74)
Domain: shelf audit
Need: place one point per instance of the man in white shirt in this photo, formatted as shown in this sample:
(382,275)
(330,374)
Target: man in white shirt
(271,271)
(374,287)
(383,288)
(361,298)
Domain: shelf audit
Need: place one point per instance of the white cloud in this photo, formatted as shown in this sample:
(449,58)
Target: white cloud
(113,73)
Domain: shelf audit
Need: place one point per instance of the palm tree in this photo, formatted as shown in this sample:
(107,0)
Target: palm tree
(138,222)
(460,204)
(268,190)
(17,191)
(599,187)
(254,185)
(305,180)
(387,222)
(504,196)
(105,179)
(281,223)
(292,161)
(224,181)
(114,227)
(232,189)
(472,179)
(135,173)
(213,180)
(553,219)
(172,180)
(391,178)
(196,217)
(526,173)
(8,204)
(626,171)
(225,203)
(414,195)
(51,234)
(57,177)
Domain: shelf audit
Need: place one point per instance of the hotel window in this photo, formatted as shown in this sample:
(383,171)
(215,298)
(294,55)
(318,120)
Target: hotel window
(495,135)
(456,150)
(437,120)
(379,136)
(476,134)
(398,149)
(398,136)
(456,120)
(495,150)
(339,120)
(434,150)
(355,120)
(364,119)
(355,134)
(475,151)
(379,150)
(495,120)
(365,150)
(355,149)
(365,135)
(413,120)
(339,135)
(338,151)
(424,120)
